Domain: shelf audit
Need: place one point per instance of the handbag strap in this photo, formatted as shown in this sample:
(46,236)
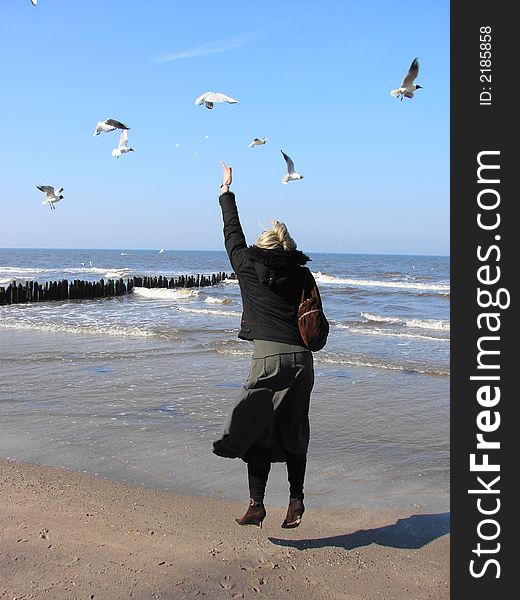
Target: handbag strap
(309,290)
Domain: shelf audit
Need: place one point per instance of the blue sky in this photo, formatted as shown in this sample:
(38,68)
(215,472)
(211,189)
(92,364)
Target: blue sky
(312,77)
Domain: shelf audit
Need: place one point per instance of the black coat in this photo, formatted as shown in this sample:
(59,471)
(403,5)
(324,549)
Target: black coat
(271,282)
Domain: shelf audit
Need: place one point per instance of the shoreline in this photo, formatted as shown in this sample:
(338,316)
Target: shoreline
(68,535)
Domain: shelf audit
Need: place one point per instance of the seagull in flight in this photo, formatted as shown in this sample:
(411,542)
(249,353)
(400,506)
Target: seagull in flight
(34,2)
(109,125)
(408,86)
(51,195)
(258,142)
(291,173)
(122,147)
(210,97)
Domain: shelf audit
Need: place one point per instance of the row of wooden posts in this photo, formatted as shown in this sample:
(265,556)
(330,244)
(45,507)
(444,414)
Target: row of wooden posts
(32,291)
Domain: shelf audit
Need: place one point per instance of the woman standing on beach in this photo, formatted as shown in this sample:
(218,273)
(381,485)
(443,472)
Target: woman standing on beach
(270,420)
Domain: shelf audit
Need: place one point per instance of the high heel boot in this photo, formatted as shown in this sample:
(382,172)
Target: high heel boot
(294,515)
(255,514)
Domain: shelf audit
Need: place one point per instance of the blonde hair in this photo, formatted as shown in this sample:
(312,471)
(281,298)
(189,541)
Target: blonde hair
(276,237)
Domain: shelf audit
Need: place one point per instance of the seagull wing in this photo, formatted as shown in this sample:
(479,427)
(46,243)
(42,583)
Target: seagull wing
(123,139)
(218,97)
(412,73)
(116,124)
(290,164)
(58,191)
(47,189)
(202,97)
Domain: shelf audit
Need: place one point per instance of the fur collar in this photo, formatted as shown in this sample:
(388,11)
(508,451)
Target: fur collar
(277,259)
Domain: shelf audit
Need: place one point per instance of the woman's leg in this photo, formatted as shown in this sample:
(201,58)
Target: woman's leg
(296,465)
(258,468)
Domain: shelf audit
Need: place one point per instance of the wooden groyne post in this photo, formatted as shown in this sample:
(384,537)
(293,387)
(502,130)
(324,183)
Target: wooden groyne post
(32,291)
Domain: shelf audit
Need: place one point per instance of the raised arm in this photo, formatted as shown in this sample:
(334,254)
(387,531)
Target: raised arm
(234,238)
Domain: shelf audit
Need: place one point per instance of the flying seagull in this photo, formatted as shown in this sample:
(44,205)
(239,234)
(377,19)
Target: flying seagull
(408,86)
(34,2)
(291,173)
(109,125)
(122,147)
(51,196)
(210,97)
(258,142)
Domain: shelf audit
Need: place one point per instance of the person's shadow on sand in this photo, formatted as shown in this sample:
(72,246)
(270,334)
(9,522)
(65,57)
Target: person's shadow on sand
(413,532)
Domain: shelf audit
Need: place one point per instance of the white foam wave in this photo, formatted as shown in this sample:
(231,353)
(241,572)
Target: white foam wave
(209,311)
(389,333)
(34,272)
(362,362)
(234,351)
(403,285)
(215,300)
(117,273)
(112,330)
(165,293)
(23,271)
(437,324)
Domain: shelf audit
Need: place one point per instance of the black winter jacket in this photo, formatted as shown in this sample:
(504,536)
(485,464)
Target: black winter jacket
(271,282)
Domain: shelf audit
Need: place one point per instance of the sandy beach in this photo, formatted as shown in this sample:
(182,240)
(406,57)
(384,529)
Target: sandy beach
(67,535)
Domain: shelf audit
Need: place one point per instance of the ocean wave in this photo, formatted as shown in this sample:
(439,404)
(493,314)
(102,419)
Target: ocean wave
(209,311)
(403,285)
(389,333)
(361,361)
(215,300)
(25,270)
(101,329)
(353,361)
(166,293)
(118,273)
(60,272)
(437,324)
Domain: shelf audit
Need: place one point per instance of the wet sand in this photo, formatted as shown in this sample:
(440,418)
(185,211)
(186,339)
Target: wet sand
(67,535)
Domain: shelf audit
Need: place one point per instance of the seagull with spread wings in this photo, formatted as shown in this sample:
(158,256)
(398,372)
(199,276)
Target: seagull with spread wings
(122,147)
(51,195)
(209,98)
(291,173)
(109,125)
(408,86)
(258,142)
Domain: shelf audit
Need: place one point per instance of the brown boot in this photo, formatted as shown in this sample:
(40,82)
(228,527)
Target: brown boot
(255,514)
(294,515)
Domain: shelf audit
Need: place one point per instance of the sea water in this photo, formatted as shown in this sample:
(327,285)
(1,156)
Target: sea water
(136,388)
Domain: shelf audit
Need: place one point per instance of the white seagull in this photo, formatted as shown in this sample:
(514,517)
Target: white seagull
(109,125)
(210,97)
(258,142)
(122,147)
(408,86)
(34,2)
(291,173)
(51,195)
